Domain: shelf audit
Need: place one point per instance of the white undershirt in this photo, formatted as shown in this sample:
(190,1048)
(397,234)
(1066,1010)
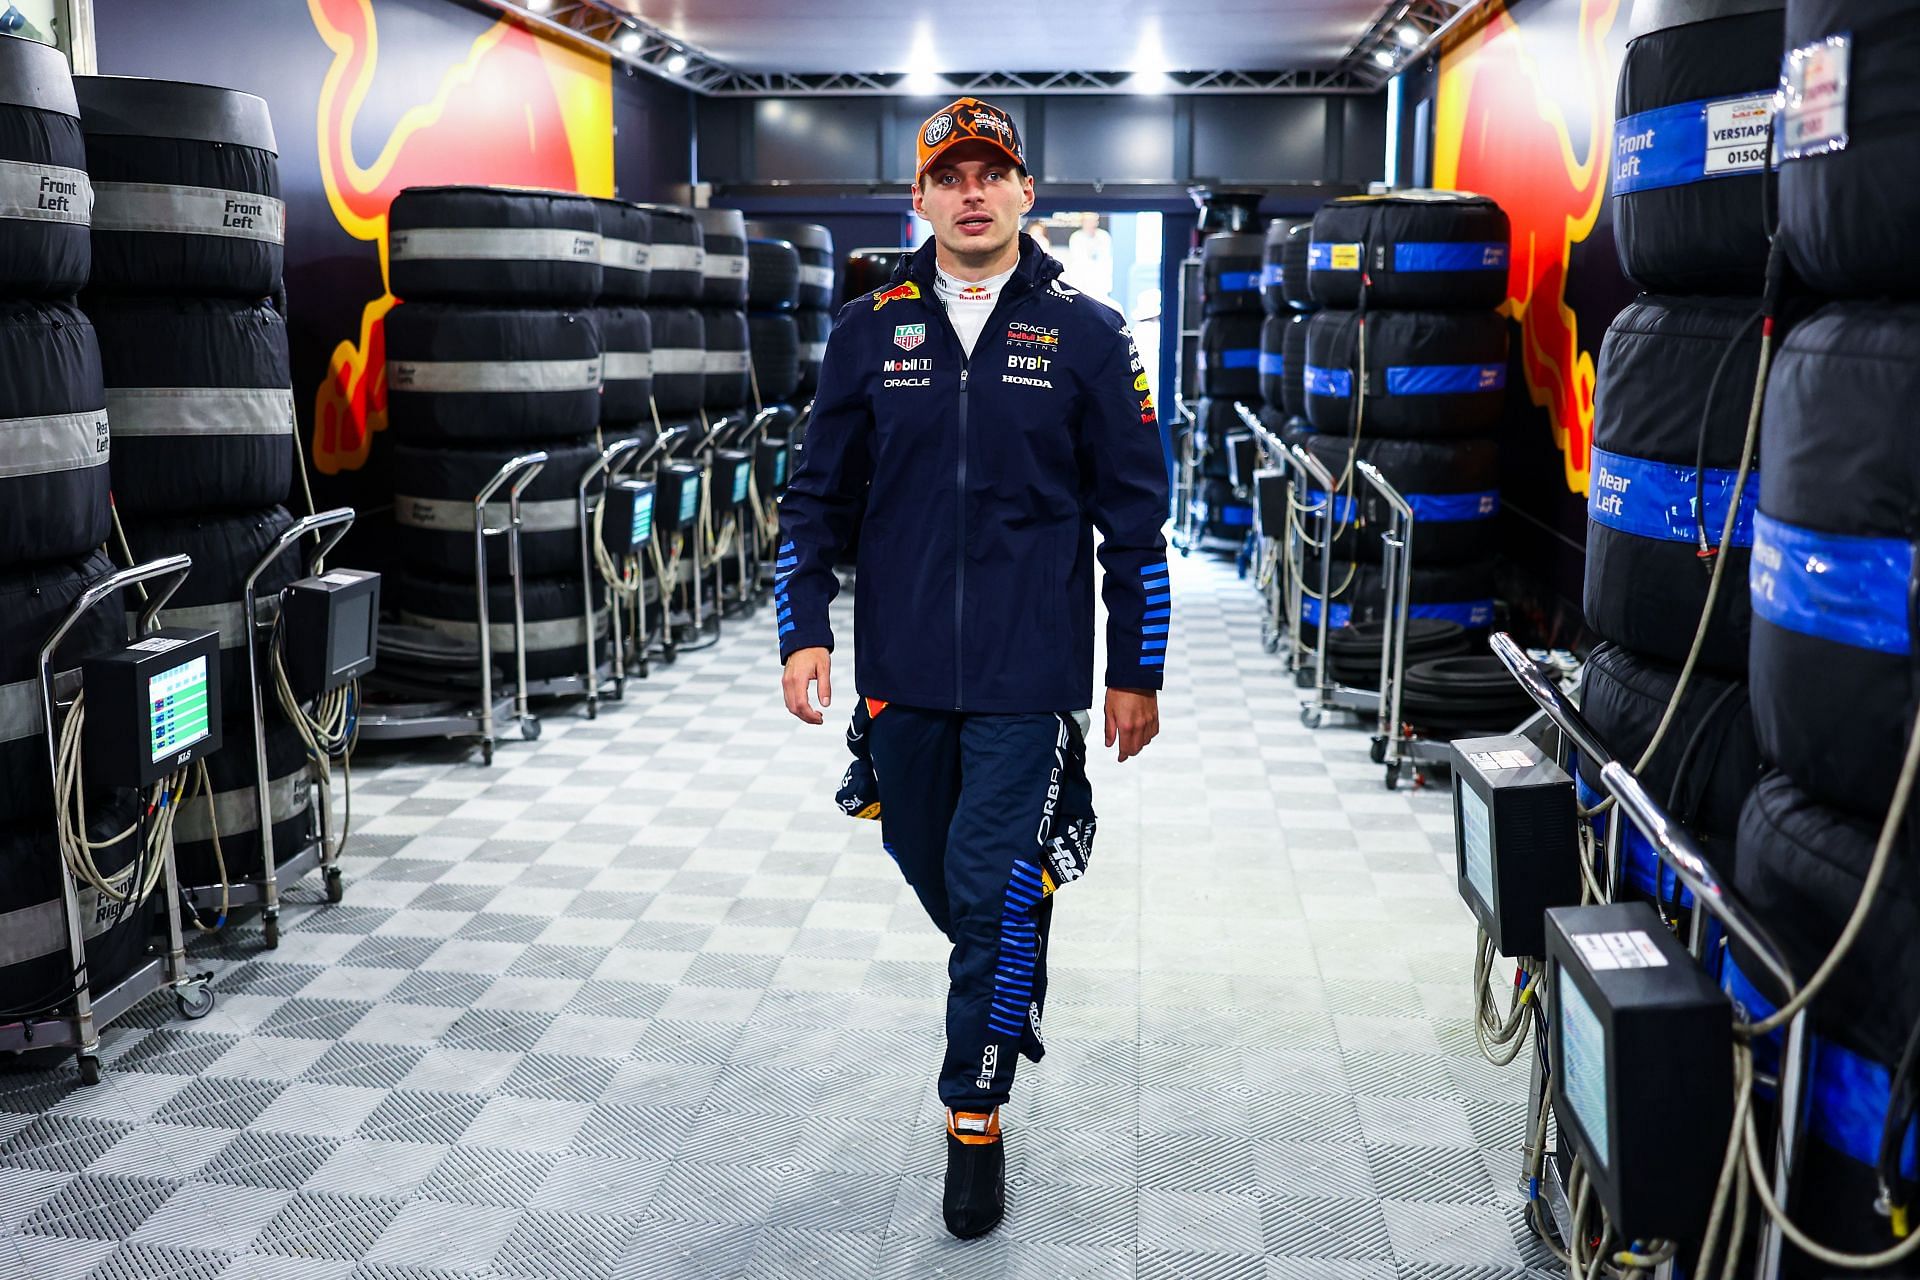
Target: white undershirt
(969,302)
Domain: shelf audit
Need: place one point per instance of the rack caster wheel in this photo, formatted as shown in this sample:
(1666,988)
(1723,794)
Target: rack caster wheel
(89,1069)
(1377,752)
(270,931)
(486,752)
(530,729)
(336,884)
(1393,776)
(1310,716)
(197,1005)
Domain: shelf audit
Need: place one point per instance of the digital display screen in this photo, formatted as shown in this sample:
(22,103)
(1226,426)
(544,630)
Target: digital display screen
(689,499)
(1583,1064)
(1476,842)
(352,637)
(642,516)
(742,479)
(177,707)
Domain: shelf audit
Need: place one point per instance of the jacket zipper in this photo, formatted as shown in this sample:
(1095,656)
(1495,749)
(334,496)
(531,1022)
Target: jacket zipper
(960,542)
(1005,300)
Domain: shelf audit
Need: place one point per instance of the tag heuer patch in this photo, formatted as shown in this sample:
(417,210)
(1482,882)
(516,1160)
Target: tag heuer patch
(908,336)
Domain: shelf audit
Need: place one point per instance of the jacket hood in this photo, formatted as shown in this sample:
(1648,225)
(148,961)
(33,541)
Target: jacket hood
(1036,265)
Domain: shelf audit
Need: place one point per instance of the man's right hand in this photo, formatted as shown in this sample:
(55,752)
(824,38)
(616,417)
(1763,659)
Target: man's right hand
(804,667)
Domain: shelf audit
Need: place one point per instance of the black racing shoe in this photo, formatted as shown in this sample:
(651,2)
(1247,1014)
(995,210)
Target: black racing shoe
(976,1198)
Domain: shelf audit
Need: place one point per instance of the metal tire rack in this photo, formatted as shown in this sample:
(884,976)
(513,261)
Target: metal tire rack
(1395,745)
(91,1009)
(480,720)
(321,851)
(1278,575)
(1566,730)
(1330,698)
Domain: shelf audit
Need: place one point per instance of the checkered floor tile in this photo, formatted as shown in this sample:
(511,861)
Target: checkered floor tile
(637,1001)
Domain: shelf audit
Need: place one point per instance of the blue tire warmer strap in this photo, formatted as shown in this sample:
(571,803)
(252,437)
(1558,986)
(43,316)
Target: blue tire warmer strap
(1640,866)
(1238,281)
(1474,615)
(1691,142)
(1657,499)
(1411,380)
(1842,588)
(1848,1094)
(1429,508)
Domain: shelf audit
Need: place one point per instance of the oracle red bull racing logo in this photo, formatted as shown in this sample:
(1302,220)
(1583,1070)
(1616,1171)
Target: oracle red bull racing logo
(899,293)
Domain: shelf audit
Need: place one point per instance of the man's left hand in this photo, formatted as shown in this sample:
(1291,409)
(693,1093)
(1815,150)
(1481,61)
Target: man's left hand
(1133,720)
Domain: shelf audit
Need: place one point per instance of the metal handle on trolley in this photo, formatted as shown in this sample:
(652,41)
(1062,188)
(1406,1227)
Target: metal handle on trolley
(178,567)
(509,469)
(1271,442)
(337,521)
(1385,488)
(1678,850)
(1548,697)
(609,461)
(663,442)
(1311,465)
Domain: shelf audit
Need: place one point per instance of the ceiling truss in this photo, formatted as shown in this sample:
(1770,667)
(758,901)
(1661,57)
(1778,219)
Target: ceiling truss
(645,47)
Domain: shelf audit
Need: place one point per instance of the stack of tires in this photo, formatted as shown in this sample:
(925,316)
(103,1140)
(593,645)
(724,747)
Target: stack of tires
(1671,407)
(773,330)
(723,308)
(54,518)
(1834,686)
(813,306)
(1288,302)
(1228,370)
(676,289)
(496,350)
(1405,367)
(186,297)
(626,330)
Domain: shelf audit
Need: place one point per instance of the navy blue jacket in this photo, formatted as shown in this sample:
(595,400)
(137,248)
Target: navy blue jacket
(976,485)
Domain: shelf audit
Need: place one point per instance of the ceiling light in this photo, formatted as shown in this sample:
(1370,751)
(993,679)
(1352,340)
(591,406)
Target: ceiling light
(1149,63)
(1409,34)
(629,41)
(676,64)
(539,6)
(921,79)
(1383,56)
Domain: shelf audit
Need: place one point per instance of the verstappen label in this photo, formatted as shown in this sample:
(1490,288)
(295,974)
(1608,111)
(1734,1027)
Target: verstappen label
(1689,142)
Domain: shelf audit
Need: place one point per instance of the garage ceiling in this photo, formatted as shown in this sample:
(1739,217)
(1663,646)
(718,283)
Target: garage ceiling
(825,36)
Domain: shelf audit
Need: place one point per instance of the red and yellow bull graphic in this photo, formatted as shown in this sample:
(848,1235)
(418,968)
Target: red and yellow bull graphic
(514,109)
(1502,130)
(899,293)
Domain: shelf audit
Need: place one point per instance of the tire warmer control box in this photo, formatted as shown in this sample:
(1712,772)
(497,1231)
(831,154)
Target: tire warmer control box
(627,525)
(1515,839)
(677,503)
(153,707)
(1642,1054)
(331,626)
(732,476)
(770,465)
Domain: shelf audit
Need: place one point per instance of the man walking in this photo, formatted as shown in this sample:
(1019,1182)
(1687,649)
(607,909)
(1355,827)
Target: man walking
(976,420)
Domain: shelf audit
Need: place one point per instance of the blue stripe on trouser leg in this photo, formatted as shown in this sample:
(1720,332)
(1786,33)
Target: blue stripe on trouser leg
(961,800)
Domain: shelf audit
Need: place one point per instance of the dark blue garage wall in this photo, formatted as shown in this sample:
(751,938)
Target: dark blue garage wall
(1247,138)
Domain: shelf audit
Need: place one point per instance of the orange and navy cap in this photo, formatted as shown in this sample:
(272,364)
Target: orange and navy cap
(968,120)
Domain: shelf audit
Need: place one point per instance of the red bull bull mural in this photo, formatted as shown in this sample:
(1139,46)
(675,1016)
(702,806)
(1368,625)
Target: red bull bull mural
(513,110)
(1524,114)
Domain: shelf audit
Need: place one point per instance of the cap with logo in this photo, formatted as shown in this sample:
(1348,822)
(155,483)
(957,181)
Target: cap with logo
(968,120)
